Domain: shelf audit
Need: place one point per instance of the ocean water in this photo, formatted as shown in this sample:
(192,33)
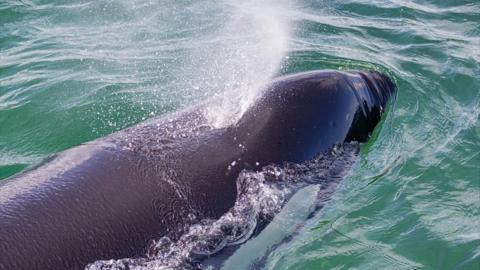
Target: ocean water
(72,71)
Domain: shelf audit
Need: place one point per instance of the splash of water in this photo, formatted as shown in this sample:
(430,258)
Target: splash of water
(261,195)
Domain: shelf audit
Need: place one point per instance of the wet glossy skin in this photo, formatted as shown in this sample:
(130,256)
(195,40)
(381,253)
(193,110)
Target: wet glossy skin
(108,198)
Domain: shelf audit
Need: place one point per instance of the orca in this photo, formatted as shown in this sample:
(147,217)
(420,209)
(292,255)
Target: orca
(107,199)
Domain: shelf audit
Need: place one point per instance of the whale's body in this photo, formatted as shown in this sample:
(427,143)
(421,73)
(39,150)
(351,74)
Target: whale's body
(108,198)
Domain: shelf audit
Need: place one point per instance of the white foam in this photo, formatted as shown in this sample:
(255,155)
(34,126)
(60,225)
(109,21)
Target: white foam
(261,195)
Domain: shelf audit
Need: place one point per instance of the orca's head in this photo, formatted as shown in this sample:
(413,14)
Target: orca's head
(303,114)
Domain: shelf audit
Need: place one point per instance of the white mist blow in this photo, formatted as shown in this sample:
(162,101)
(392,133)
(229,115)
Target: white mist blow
(248,52)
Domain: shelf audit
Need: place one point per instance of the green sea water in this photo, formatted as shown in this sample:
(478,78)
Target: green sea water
(72,71)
